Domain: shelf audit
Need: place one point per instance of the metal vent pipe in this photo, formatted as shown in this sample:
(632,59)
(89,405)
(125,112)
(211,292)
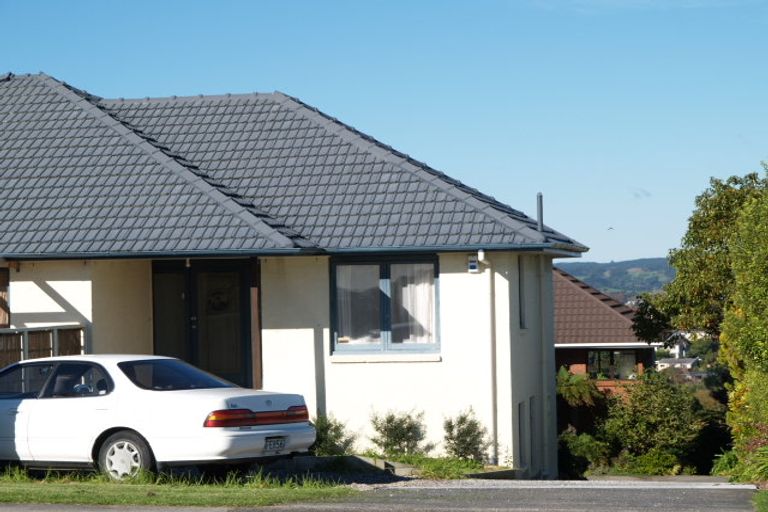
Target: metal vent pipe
(540,211)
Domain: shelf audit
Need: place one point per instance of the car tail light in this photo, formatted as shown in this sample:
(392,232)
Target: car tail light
(248,418)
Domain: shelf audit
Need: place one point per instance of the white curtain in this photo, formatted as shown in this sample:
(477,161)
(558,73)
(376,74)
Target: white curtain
(625,364)
(357,304)
(413,303)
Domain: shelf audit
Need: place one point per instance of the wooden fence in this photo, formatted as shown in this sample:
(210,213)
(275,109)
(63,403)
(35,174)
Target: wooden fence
(28,343)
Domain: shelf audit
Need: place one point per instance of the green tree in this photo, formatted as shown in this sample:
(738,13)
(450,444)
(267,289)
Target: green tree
(656,414)
(696,299)
(746,326)
(652,321)
(744,339)
(577,390)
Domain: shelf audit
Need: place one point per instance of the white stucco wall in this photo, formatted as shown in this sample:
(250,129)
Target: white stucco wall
(295,325)
(46,293)
(111,299)
(486,360)
(122,306)
(439,385)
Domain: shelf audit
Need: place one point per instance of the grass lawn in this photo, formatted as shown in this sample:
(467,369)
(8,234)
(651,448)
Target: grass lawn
(761,501)
(440,468)
(255,490)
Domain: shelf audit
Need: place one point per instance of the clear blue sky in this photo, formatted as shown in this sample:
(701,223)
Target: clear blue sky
(619,111)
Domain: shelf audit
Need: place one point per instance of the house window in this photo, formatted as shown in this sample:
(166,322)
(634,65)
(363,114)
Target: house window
(5,306)
(382,306)
(611,364)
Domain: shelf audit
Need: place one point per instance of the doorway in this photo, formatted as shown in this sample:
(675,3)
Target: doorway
(202,315)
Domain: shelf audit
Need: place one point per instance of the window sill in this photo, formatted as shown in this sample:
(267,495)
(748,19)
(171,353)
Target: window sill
(385,358)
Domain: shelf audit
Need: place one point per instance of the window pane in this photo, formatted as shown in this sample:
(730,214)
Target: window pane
(413,303)
(358,304)
(592,363)
(599,364)
(24,381)
(170,375)
(606,364)
(625,364)
(77,380)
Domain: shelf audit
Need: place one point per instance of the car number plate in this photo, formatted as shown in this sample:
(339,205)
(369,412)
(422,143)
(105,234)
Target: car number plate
(273,444)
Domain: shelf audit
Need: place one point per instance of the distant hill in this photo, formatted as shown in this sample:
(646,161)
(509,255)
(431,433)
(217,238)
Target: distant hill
(622,279)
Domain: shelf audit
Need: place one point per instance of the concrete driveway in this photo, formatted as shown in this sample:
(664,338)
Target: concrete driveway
(678,495)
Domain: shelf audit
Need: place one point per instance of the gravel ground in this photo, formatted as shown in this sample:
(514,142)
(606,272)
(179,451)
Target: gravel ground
(381,480)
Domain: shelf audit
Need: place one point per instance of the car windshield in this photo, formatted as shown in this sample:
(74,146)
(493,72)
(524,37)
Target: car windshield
(170,375)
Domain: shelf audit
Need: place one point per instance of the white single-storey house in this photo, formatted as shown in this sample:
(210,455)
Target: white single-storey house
(273,245)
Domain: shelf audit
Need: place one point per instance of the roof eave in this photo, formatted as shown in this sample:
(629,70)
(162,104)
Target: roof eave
(601,345)
(294,251)
(556,250)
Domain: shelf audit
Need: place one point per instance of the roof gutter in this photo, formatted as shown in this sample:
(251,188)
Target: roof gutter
(598,345)
(564,250)
(162,254)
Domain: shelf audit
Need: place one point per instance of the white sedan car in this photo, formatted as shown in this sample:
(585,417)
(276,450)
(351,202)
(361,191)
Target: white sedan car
(126,414)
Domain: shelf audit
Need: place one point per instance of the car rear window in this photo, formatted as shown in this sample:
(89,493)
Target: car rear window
(170,375)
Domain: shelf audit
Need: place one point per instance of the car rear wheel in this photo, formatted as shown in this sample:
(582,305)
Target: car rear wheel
(124,455)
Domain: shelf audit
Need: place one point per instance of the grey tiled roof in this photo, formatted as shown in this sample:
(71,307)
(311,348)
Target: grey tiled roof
(252,173)
(76,181)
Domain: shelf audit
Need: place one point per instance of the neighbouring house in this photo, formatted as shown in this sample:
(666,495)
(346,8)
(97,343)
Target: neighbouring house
(684,363)
(273,245)
(593,334)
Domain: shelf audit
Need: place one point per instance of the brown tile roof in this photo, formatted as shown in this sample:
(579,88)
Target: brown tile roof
(586,315)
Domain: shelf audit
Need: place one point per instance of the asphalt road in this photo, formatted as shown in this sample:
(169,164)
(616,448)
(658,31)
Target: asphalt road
(502,496)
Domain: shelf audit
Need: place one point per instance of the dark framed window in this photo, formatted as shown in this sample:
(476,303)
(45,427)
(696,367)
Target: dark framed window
(385,305)
(612,364)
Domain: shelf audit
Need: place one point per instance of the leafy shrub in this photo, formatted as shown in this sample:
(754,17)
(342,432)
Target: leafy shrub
(579,453)
(465,438)
(657,415)
(332,437)
(725,464)
(655,462)
(577,390)
(400,433)
(748,414)
(755,467)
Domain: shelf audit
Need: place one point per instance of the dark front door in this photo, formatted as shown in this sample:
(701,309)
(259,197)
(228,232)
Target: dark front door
(201,315)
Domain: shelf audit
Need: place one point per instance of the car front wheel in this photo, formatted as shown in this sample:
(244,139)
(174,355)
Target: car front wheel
(124,455)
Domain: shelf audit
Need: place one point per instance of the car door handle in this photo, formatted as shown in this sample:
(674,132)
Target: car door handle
(13,412)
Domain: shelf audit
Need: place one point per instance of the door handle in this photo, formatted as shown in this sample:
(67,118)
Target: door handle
(13,412)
